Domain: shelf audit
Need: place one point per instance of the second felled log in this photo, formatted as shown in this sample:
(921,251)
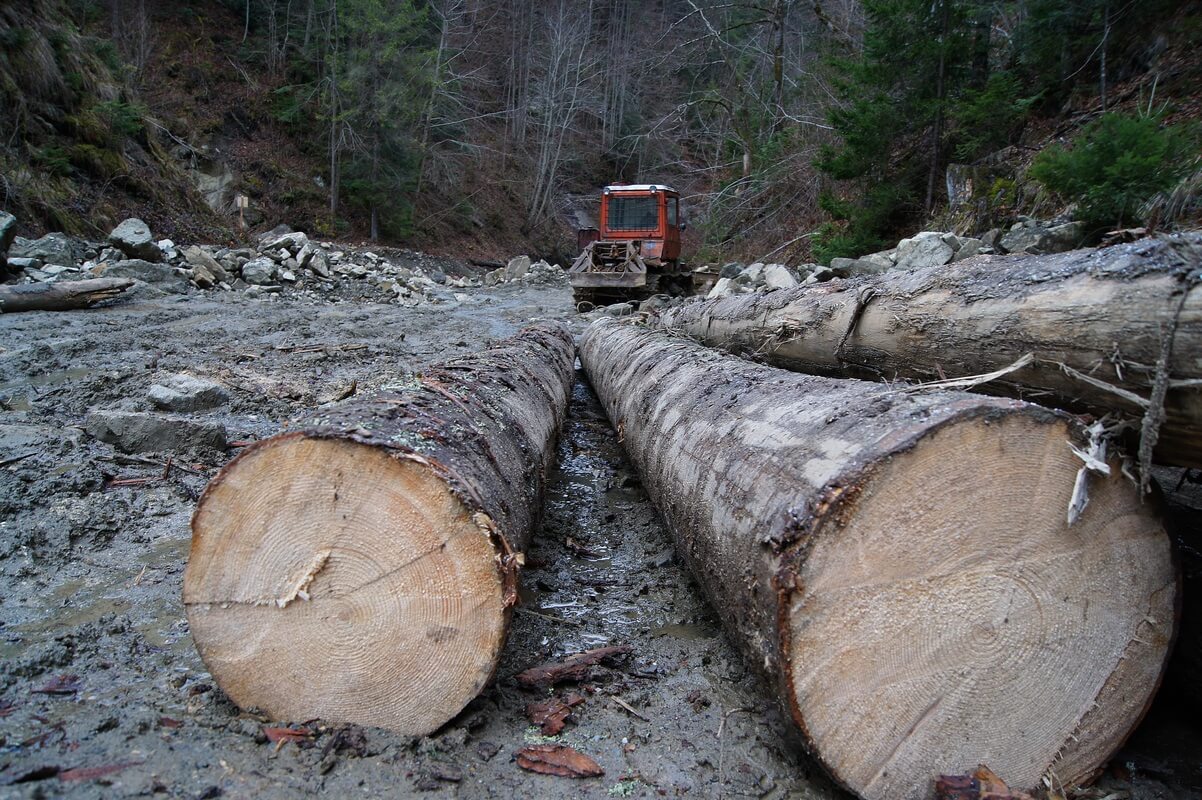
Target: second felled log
(899,563)
(362,566)
(1094,322)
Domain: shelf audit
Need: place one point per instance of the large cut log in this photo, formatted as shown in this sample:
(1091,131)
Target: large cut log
(361,567)
(1096,323)
(899,563)
(64,296)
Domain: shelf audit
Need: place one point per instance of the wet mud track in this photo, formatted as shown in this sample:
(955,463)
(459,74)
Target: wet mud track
(102,693)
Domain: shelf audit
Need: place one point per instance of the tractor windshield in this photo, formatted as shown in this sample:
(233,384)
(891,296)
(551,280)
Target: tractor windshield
(633,213)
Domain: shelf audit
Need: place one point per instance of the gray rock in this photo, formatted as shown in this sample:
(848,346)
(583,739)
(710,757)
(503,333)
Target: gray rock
(620,310)
(969,247)
(821,275)
(53,248)
(8,231)
(292,242)
(135,432)
(182,392)
(163,276)
(133,238)
(24,263)
(926,249)
(886,259)
(287,276)
(730,269)
(259,271)
(723,288)
(203,278)
(517,267)
(494,277)
(1031,237)
(752,273)
(777,276)
(847,267)
(1068,236)
(990,237)
(318,264)
(199,258)
(275,233)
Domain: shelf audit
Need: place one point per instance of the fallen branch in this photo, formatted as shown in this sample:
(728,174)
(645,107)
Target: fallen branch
(64,296)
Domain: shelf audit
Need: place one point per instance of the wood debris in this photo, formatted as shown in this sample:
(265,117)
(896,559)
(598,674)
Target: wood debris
(558,759)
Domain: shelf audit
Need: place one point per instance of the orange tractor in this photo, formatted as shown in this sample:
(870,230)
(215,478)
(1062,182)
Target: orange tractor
(636,251)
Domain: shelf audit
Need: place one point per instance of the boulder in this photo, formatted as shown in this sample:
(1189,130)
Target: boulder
(182,392)
(133,238)
(53,248)
(619,310)
(517,267)
(259,271)
(197,257)
(292,242)
(886,259)
(494,277)
(203,278)
(926,249)
(777,276)
(847,267)
(135,432)
(968,248)
(731,269)
(723,288)
(275,233)
(8,231)
(318,265)
(821,275)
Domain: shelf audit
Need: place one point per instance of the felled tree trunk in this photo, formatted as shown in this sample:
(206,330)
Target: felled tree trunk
(1096,323)
(63,296)
(899,563)
(361,566)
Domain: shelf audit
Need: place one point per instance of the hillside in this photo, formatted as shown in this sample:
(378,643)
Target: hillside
(831,129)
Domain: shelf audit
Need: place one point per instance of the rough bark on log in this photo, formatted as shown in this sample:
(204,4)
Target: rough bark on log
(1102,314)
(361,567)
(64,296)
(899,563)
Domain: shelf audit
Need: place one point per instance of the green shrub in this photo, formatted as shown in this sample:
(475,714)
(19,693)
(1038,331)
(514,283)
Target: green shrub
(124,119)
(53,160)
(861,227)
(1116,164)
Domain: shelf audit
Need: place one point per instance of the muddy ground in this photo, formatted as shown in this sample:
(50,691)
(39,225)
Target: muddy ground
(102,693)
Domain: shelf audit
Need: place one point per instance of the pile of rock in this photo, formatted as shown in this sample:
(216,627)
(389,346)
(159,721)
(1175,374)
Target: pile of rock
(735,278)
(926,249)
(522,270)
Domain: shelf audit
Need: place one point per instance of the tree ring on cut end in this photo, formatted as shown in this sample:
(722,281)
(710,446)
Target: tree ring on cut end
(329,579)
(947,616)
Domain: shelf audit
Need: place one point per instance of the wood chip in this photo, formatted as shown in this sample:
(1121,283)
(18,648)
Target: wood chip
(558,759)
(982,784)
(573,668)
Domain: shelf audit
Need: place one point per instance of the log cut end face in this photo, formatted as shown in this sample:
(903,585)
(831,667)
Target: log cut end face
(949,617)
(329,579)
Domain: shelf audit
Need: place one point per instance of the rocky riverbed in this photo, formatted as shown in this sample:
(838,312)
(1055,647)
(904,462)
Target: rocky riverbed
(112,420)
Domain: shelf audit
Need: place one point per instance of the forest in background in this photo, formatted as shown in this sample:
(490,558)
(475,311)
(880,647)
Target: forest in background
(815,127)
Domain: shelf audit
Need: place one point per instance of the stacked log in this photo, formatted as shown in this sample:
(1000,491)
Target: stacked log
(899,563)
(361,567)
(1101,329)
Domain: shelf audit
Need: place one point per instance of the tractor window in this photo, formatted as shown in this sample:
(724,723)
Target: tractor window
(672,201)
(633,213)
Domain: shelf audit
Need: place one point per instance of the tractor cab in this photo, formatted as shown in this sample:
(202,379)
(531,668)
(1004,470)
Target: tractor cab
(646,213)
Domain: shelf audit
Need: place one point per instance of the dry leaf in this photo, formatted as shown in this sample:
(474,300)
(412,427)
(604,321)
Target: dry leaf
(552,713)
(557,759)
(282,736)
